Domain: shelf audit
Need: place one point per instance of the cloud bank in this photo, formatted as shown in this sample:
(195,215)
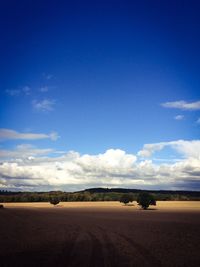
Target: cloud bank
(36,170)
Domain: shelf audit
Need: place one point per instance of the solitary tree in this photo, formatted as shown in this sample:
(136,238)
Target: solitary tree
(126,198)
(54,201)
(145,199)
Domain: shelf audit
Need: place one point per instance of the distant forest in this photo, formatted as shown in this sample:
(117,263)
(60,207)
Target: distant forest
(95,194)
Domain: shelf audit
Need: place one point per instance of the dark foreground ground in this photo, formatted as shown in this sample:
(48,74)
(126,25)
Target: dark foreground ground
(99,237)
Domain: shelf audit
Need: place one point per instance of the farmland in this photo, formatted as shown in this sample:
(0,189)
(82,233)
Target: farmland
(100,234)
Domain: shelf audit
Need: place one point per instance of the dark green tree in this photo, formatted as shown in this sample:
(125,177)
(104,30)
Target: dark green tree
(54,200)
(126,198)
(145,200)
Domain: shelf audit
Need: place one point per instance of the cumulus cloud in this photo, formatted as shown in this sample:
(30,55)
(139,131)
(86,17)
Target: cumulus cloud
(113,168)
(44,105)
(149,149)
(6,134)
(183,105)
(72,168)
(179,117)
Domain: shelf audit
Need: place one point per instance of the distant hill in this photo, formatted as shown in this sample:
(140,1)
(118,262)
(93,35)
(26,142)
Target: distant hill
(127,190)
(111,190)
(95,194)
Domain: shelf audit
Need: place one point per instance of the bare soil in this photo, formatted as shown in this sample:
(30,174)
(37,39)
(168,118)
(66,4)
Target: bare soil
(100,234)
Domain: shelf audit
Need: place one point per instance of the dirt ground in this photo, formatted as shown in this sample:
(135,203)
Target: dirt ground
(100,234)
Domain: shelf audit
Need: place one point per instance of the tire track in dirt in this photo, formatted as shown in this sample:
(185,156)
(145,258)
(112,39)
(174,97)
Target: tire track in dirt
(100,248)
(82,249)
(148,258)
(119,248)
(88,249)
(76,250)
(111,255)
(97,256)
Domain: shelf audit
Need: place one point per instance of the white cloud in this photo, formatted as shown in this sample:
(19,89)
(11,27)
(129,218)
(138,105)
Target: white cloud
(183,105)
(149,149)
(6,134)
(114,168)
(71,168)
(112,158)
(44,105)
(186,148)
(24,151)
(53,136)
(189,149)
(179,117)
(44,89)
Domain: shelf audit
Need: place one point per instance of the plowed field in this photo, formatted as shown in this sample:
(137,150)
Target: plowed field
(100,234)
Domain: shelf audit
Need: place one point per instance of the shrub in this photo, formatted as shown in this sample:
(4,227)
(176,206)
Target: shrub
(54,201)
(126,198)
(145,199)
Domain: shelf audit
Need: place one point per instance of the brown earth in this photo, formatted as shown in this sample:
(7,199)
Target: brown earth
(100,234)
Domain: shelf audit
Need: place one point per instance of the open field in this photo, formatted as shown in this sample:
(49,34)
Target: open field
(100,234)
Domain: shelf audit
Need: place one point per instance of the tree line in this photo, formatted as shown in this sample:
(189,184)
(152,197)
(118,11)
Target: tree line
(144,200)
(92,195)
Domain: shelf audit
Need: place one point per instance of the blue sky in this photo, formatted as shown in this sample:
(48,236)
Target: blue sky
(97,76)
